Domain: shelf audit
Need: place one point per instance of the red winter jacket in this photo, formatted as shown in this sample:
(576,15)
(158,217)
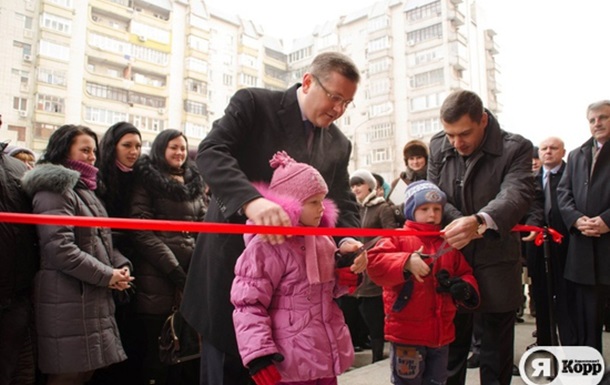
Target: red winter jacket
(427,319)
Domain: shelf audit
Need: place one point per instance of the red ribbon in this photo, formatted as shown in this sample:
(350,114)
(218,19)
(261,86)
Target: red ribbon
(230,228)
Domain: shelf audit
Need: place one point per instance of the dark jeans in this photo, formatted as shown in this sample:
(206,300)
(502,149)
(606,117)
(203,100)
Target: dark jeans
(219,368)
(418,365)
(496,352)
(16,316)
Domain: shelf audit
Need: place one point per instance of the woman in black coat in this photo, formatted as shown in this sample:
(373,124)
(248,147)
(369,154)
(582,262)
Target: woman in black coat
(168,186)
(119,150)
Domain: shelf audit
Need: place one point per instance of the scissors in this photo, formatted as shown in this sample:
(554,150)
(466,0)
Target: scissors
(407,289)
(440,252)
(345,260)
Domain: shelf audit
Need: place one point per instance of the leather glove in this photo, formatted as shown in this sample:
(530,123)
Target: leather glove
(460,290)
(346,277)
(178,277)
(444,281)
(263,371)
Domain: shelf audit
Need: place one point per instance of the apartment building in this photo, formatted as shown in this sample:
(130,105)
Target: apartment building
(175,63)
(411,54)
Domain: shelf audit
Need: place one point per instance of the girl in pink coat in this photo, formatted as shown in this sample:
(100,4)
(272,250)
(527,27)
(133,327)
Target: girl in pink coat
(289,328)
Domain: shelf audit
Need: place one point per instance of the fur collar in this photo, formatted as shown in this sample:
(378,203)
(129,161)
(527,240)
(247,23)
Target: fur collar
(162,185)
(49,177)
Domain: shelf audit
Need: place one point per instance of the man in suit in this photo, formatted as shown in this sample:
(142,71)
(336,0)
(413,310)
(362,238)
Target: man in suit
(584,202)
(551,152)
(258,123)
(486,173)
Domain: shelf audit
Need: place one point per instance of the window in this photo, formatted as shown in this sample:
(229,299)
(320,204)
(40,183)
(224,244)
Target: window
(425,12)
(380,109)
(422,127)
(227,79)
(47,75)
(147,123)
(379,44)
(44,130)
(428,78)
(379,87)
(426,102)
(248,80)
(50,103)
(25,21)
(54,50)
(196,86)
(380,131)
(26,49)
(198,43)
(432,32)
(107,92)
(378,23)
(195,107)
(20,104)
(56,23)
(63,3)
(197,65)
(195,130)
(24,76)
(426,56)
(104,117)
(379,65)
(379,155)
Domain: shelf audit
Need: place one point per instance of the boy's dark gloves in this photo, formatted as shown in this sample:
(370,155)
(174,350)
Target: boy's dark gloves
(459,289)
(263,371)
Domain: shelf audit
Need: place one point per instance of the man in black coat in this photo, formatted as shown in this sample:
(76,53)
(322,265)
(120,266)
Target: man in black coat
(551,153)
(19,260)
(486,173)
(258,123)
(584,201)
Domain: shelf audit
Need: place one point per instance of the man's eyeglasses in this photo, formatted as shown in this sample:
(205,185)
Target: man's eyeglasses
(336,99)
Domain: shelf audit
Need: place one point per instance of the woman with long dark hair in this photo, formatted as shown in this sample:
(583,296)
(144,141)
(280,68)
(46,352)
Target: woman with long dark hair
(168,186)
(119,150)
(79,268)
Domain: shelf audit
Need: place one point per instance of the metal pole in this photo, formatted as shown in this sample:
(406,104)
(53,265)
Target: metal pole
(549,285)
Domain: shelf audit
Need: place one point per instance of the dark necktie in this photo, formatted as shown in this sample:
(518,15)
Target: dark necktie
(309,134)
(547,196)
(596,150)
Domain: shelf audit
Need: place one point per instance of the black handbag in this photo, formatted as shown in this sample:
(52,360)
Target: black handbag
(178,341)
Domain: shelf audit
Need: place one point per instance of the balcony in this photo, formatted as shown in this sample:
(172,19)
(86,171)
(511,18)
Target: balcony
(456,18)
(491,46)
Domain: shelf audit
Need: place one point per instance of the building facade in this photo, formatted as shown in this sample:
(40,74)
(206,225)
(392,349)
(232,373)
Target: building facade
(175,63)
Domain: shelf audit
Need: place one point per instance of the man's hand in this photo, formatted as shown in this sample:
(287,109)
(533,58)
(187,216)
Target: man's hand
(532,236)
(461,231)
(361,260)
(266,213)
(416,265)
(591,227)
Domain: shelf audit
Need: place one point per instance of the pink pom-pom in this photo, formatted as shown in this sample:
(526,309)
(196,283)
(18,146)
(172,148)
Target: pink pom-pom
(281,158)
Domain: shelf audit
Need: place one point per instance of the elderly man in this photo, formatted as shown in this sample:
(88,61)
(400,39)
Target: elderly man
(584,201)
(551,152)
(487,175)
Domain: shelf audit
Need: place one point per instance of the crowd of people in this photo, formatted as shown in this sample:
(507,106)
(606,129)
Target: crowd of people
(86,305)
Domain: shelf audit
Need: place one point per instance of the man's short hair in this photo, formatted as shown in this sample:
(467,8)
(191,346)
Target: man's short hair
(327,62)
(597,105)
(460,103)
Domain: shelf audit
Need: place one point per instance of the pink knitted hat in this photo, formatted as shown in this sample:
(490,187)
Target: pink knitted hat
(296,180)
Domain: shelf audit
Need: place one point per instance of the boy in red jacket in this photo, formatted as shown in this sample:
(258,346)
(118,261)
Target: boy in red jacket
(423,281)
